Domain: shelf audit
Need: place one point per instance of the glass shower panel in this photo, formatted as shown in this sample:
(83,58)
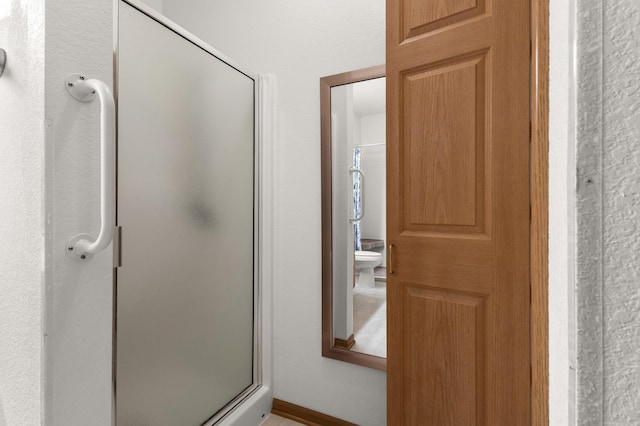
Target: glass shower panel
(185,290)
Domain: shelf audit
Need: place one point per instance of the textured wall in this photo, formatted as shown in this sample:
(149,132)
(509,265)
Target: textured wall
(49,192)
(21,211)
(609,255)
(589,322)
(299,42)
(621,207)
(79,38)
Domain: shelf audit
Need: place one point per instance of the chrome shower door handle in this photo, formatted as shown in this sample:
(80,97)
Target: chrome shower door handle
(81,246)
(353,171)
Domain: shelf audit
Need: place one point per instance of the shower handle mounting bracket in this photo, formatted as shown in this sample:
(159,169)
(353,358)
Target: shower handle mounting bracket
(78,89)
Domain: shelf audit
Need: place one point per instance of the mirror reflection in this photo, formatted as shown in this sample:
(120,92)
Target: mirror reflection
(358,126)
(358,216)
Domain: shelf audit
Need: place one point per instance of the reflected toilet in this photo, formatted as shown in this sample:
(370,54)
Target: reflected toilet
(366,261)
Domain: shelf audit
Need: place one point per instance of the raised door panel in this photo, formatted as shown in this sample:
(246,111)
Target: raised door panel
(423,16)
(443,165)
(444,339)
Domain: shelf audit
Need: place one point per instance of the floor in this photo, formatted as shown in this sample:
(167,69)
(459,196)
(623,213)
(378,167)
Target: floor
(370,320)
(273,420)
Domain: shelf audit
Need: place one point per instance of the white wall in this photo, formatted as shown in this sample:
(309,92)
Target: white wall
(21,211)
(49,172)
(158,5)
(374,129)
(561,199)
(79,38)
(299,42)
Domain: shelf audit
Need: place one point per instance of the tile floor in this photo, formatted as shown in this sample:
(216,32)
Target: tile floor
(370,320)
(273,420)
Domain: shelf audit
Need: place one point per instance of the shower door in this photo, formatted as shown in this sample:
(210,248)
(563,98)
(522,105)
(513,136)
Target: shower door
(186,283)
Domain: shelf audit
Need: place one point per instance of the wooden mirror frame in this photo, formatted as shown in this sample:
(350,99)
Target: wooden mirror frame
(329,350)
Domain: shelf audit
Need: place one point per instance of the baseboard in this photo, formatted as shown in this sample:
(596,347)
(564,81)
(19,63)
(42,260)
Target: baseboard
(305,415)
(344,344)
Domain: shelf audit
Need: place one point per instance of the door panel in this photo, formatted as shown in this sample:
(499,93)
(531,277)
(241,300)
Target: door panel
(422,16)
(185,290)
(458,212)
(448,187)
(446,335)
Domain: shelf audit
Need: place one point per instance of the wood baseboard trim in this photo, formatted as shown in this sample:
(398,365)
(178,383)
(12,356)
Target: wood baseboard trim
(344,344)
(304,415)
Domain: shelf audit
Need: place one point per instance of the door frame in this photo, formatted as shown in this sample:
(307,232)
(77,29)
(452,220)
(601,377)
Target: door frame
(539,193)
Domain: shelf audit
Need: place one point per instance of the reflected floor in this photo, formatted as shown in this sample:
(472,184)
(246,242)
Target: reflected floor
(370,319)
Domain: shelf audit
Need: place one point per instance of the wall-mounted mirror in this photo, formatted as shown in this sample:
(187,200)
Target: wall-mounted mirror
(353,128)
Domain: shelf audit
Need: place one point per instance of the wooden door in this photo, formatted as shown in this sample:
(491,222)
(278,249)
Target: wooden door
(458,212)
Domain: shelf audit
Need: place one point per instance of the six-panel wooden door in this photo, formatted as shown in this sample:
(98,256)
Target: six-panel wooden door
(458,212)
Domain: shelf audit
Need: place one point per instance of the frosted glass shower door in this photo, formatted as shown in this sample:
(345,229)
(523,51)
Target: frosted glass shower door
(185,289)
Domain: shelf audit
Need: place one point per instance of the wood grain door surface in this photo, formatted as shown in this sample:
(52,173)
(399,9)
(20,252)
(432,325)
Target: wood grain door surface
(458,212)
